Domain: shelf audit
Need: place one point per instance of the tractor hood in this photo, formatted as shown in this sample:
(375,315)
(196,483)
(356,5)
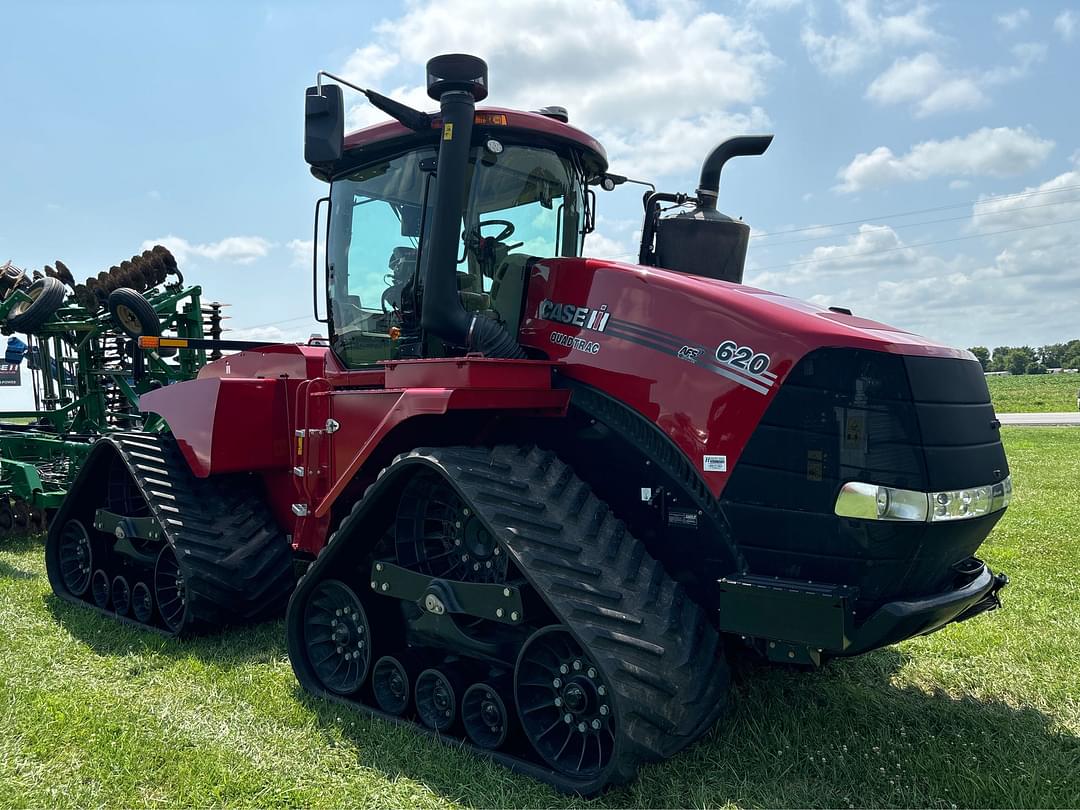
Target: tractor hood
(703,359)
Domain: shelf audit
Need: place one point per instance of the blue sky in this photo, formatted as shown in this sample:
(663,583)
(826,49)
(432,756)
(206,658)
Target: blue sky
(129,123)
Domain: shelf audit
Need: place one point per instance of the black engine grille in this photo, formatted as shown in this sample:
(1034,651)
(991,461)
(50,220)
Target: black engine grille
(842,415)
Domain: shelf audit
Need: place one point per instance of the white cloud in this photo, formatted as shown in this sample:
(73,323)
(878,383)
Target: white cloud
(873,246)
(866,35)
(367,65)
(234,249)
(1067,23)
(933,87)
(998,152)
(301,251)
(1022,291)
(600,60)
(923,80)
(770,6)
(1011,20)
(293,334)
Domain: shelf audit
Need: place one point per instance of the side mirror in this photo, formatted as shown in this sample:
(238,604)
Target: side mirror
(324,124)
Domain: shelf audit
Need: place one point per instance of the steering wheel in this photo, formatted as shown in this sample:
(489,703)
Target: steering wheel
(504,234)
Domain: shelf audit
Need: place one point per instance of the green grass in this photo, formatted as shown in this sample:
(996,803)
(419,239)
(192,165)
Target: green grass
(986,713)
(1034,393)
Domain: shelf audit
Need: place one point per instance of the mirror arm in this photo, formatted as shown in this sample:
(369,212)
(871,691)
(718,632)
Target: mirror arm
(413,119)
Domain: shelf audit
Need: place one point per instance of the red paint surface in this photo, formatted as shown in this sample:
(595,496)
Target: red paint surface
(516,119)
(244,412)
(702,412)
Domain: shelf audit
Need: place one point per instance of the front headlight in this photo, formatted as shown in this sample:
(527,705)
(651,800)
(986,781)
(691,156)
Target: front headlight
(874,502)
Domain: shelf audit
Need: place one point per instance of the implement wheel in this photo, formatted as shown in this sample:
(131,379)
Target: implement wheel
(133,313)
(46,296)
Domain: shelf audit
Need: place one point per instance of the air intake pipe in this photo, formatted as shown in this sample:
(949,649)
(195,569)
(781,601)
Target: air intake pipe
(457,82)
(701,241)
(709,184)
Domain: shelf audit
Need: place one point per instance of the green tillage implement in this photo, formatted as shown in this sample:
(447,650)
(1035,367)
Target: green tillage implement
(87,375)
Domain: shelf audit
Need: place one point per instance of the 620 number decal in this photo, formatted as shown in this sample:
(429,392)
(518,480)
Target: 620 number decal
(731,353)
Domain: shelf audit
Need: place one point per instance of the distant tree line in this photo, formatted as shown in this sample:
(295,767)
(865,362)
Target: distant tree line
(1026,360)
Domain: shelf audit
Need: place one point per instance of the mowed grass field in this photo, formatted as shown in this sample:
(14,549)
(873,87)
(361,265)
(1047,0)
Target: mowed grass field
(986,713)
(1034,393)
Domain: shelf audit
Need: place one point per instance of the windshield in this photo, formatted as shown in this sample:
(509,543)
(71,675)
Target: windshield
(522,203)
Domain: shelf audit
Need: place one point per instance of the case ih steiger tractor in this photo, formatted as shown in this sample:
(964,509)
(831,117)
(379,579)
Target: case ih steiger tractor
(543,493)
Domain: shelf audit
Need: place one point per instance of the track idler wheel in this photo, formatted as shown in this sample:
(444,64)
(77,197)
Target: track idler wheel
(436,700)
(390,685)
(484,713)
(121,595)
(170,590)
(142,602)
(337,637)
(100,587)
(76,558)
(565,704)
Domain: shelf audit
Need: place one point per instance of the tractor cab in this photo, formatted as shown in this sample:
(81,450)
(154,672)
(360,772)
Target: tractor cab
(415,268)
(522,202)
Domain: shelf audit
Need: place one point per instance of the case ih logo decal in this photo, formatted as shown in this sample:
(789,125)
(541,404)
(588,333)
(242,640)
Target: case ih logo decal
(689,353)
(594,319)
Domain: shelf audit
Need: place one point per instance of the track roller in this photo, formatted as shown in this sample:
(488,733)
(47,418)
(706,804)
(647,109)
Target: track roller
(390,685)
(121,595)
(142,602)
(101,588)
(484,714)
(76,557)
(436,700)
(338,637)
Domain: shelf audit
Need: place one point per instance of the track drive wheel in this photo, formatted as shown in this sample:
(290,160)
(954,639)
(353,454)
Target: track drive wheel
(564,703)
(76,558)
(337,637)
(170,589)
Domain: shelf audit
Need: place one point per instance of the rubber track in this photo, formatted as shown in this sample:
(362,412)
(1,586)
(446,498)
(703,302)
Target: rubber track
(236,562)
(655,646)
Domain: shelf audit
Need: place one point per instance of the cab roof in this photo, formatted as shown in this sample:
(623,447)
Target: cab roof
(392,134)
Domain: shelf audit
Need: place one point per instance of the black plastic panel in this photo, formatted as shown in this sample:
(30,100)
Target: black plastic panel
(850,415)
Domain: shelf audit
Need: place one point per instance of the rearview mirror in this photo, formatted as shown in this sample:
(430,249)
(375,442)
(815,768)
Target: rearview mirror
(324,124)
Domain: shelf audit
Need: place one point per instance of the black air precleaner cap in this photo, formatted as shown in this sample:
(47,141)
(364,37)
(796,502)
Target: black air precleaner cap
(457,71)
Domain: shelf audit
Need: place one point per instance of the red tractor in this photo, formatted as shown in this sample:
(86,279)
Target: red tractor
(545,494)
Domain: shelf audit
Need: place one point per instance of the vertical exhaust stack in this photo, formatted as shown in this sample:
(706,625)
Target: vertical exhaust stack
(702,241)
(457,82)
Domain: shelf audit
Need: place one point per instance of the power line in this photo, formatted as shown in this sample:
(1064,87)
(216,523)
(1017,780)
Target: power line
(1000,198)
(275,323)
(911,224)
(916,245)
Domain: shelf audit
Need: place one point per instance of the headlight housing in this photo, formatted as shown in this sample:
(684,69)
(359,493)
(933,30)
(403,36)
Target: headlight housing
(875,502)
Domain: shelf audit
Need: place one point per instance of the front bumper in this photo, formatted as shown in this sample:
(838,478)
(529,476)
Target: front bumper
(804,621)
(896,621)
